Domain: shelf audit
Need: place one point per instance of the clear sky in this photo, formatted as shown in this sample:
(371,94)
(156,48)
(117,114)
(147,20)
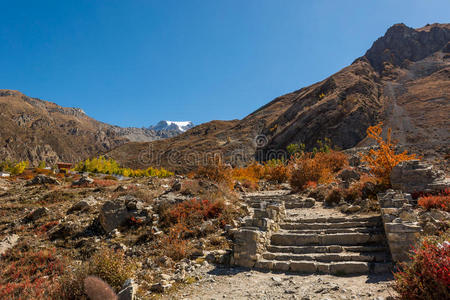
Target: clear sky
(135,62)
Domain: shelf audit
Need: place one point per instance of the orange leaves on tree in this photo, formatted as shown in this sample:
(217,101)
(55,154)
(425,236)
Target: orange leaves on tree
(382,160)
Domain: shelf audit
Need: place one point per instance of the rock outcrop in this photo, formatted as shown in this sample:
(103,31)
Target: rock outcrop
(418,176)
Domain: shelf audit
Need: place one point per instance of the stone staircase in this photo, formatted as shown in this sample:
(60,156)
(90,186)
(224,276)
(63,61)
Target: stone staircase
(328,245)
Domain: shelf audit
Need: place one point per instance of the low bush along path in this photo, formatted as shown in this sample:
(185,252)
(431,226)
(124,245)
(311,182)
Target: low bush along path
(319,253)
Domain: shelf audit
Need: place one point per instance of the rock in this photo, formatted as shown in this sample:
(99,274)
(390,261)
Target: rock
(62,231)
(349,175)
(112,215)
(353,208)
(43,179)
(8,242)
(176,186)
(82,205)
(36,214)
(418,176)
(160,287)
(128,291)
(84,180)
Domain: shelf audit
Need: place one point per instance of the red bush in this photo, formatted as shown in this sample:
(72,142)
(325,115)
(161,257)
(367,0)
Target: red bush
(193,212)
(427,276)
(30,275)
(441,201)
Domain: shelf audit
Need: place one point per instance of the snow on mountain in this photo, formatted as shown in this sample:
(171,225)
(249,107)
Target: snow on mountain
(181,126)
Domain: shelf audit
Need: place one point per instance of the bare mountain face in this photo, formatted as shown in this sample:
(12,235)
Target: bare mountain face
(402,80)
(36,130)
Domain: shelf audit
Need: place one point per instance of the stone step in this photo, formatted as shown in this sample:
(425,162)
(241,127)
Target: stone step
(334,268)
(353,224)
(376,219)
(325,249)
(337,230)
(328,257)
(293,239)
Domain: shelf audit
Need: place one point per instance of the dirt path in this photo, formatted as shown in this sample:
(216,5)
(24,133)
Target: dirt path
(239,283)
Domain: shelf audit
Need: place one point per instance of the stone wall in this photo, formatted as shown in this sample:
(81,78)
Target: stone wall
(250,240)
(401,223)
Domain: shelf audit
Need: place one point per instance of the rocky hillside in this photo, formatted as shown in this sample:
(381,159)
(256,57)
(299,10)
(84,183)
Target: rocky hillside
(36,130)
(402,80)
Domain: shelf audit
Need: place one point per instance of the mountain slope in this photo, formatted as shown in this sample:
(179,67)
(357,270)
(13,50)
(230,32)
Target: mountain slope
(403,80)
(36,130)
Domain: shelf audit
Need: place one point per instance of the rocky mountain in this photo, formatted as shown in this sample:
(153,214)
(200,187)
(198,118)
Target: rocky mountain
(402,80)
(172,127)
(36,130)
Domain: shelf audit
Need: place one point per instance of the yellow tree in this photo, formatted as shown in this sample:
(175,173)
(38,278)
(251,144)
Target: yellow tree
(383,159)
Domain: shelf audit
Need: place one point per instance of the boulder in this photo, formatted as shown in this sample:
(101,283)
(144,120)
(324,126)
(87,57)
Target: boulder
(82,205)
(418,176)
(43,179)
(84,180)
(112,215)
(36,214)
(62,231)
(128,291)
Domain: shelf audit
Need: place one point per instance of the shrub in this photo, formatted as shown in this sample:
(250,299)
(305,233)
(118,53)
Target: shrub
(29,274)
(319,168)
(382,160)
(249,176)
(193,212)
(216,171)
(276,170)
(427,276)
(14,168)
(441,201)
(295,149)
(109,265)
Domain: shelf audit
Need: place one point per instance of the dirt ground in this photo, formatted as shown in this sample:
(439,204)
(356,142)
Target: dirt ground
(240,283)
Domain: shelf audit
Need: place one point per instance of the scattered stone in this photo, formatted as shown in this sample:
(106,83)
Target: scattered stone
(8,242)
(84,180)
(62,230)
(353,208)
(82,205)
(43,179)
(160,287)
(36,214)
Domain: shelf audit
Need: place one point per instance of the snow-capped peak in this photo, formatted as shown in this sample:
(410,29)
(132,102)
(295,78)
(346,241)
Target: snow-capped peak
(172,125)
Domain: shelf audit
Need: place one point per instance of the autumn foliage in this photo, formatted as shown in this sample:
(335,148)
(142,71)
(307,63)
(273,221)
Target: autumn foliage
(383,159)
(30,274)
(320,168)
(441,201)
(427,276)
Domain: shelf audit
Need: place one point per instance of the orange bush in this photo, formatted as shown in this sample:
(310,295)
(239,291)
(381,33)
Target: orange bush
(249,175)
(382,160)
(319,168)
(216,171)
(437,201)
(276,171)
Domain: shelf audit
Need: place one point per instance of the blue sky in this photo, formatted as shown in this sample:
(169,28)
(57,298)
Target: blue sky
(135,62)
